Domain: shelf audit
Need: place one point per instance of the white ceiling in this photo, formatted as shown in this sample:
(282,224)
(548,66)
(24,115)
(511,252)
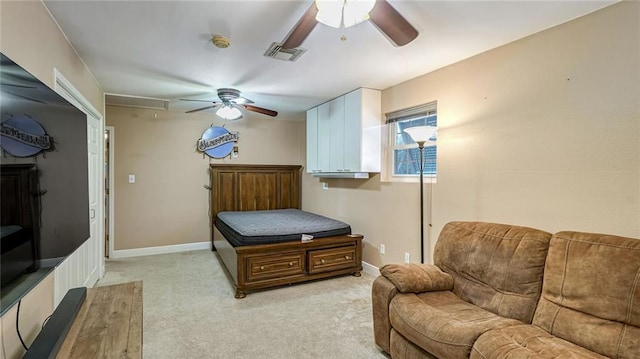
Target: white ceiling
(162,49)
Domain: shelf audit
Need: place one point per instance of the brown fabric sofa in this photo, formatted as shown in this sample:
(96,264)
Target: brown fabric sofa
(501,291)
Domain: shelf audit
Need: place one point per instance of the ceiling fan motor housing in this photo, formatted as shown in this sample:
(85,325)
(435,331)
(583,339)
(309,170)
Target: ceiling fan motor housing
(228,94)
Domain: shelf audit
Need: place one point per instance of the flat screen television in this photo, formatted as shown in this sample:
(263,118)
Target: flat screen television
(44,188)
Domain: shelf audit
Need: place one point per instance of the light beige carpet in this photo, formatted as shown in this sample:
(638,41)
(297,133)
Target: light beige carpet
(190,312)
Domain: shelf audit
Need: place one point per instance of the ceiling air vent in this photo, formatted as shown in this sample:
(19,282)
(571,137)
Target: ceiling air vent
(136,101)
(277,52)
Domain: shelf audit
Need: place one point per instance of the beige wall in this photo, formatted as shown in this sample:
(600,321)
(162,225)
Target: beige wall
(542,132)
(168,204)
(34,308)
(32,39)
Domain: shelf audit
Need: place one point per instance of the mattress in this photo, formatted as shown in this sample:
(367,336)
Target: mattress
(281,225)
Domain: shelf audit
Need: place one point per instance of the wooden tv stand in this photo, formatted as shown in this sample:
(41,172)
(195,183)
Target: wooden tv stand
(108,325)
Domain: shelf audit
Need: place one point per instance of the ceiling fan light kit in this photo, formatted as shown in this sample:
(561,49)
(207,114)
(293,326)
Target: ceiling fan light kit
(355,12)
(343,12)
(351,12)
(228,112)
(329,12)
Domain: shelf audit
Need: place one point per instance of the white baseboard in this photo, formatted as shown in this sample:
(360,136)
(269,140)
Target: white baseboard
(370,269)
(126,253)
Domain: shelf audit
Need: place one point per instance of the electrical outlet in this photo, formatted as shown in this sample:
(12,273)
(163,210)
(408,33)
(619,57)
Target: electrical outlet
(407,257)
(325,185)
(382,249)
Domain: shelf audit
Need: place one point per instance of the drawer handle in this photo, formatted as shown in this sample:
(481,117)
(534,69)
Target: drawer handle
(347,257)
(290,264)
(322,261)
(261,267)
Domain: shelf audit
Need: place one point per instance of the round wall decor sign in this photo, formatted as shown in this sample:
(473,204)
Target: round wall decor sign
(217,142)
(23,136)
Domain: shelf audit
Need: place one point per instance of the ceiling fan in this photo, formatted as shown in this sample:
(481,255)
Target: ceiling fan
(381,14)
(230,104)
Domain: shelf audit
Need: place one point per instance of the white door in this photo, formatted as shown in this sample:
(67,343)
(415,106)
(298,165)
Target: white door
(94,137)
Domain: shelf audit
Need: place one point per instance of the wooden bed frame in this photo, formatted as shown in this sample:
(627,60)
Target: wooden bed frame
(261,187)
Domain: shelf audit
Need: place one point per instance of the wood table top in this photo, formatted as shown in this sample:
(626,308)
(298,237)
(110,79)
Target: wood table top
(108,325)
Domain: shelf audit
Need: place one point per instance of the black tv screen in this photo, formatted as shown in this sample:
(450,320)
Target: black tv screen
(44,188)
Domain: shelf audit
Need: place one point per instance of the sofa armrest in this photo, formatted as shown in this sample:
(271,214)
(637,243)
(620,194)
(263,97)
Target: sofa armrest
(381,294)
(417,278)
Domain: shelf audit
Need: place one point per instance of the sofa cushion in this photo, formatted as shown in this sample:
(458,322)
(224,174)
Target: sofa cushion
(441,323)
(591,293)
(527,341)
(495,266)
(417,278)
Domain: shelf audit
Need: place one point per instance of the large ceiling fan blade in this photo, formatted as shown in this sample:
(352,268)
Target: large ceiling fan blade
(393,25)
(302,29)
(201,109)
(261,110)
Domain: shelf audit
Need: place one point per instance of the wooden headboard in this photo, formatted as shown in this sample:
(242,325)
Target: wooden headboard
(254,187)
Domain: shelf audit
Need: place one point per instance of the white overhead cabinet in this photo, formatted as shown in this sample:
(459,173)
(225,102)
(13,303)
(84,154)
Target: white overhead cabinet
(344,135)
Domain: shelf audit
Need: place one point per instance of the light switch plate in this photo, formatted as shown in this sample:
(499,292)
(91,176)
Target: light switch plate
(132,178)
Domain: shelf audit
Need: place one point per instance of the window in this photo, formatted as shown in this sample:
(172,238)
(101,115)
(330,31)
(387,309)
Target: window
(405,155)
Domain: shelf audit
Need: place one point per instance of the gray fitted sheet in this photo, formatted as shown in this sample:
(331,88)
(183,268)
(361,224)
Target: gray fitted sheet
(274,226)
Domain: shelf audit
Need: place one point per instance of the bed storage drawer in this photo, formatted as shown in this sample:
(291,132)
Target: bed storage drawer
(275,266)
(331,259)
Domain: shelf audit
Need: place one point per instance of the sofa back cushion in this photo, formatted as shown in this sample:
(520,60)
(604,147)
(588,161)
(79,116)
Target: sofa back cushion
(591,293)
(497,267)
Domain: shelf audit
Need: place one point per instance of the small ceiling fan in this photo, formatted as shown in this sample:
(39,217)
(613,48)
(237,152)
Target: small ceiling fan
(230,104)
(350,12)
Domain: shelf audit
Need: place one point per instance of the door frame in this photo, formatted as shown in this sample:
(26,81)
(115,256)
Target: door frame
(111,171)
(67,90)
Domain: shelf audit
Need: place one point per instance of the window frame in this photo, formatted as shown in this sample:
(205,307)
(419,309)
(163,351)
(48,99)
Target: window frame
(391,120)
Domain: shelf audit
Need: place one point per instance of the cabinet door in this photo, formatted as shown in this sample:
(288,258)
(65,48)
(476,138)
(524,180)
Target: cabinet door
(312,140)
(336,118)
(324,135)
(352,131)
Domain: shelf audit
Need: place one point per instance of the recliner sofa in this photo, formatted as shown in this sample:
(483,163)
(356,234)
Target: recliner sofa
(503,291)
